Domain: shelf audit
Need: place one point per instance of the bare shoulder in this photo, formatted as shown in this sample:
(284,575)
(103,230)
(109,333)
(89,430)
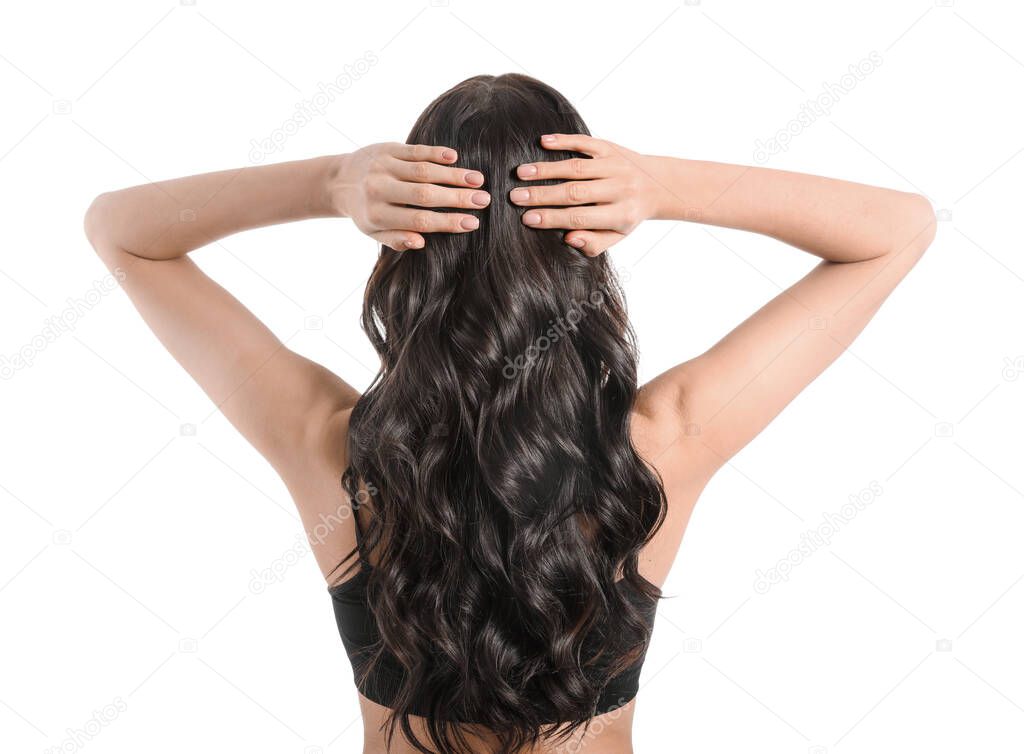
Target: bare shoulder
(323,505)
(667,435)
(667,431)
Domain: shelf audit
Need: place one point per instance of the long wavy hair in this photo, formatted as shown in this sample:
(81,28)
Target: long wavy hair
(509,504)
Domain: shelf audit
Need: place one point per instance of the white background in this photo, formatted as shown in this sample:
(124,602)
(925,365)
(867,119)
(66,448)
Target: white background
(128,545)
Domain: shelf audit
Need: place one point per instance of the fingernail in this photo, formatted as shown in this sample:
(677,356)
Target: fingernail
(548,138)
(474,178)
(577,242)
(519,195)
(470,223)
(531,218)
(448,155)
(527,170)
(481,198)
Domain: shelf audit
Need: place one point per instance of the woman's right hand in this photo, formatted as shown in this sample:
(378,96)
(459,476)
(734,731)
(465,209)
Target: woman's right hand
(387,190)
(617,185)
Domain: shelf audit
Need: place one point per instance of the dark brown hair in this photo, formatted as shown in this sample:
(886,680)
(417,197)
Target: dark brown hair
(510,505)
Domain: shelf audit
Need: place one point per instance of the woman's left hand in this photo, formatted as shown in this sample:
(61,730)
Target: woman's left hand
(602,200)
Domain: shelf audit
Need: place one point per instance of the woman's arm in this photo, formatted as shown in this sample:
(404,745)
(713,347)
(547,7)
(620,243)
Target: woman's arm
(867,237)
(281,402)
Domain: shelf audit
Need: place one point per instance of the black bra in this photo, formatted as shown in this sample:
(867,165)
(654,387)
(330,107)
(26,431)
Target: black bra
(359,634)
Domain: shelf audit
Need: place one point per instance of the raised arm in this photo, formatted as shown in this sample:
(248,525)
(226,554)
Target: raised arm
(280,401)
(867,237)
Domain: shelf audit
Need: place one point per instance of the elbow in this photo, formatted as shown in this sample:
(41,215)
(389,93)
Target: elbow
(920,223)
(93,223)
(97,226)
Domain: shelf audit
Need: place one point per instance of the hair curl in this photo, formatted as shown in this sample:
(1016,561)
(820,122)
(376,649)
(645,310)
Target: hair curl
(510,505)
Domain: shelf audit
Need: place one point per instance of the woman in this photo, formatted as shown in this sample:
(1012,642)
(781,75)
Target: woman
(509,501)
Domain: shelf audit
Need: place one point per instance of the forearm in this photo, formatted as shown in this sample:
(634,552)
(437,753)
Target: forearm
(836,220)
(171,218)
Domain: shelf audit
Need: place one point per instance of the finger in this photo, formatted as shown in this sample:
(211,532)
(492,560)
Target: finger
(425,221)
(430,195)
(428,172)
(424,153)
(576,218)
(575,143)
(578,168)
(398,240)
(593,242)
(564,194)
